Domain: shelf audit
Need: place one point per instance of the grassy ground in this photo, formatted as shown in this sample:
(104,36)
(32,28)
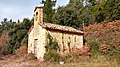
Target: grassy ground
(14,61)
(84,65)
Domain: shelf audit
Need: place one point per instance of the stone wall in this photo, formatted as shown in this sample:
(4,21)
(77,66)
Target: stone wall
(30,42)
(38,36)
(38,33)
(41,42)
(67,40)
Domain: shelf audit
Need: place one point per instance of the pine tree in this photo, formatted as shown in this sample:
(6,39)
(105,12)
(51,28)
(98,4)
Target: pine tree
(48,11)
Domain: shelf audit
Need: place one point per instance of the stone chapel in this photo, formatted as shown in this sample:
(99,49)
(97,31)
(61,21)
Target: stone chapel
(66,37)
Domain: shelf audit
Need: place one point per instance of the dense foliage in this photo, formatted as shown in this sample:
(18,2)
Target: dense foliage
(52,50)
(94,48)
(48,11)
(105,10)
(6,25)
(17,32)
(85,12)
(73,14)
(107,35)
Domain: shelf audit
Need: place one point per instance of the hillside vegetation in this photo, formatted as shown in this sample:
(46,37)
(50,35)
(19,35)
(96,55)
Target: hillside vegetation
(13,34)
(3,40)
(107,36)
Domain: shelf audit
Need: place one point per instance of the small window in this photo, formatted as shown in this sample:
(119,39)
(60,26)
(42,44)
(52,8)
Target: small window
(36,16)
(36,13)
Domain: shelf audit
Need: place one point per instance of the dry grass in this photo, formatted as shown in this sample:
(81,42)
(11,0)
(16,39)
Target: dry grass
(101,61)
(83,65)
(12,61)
(105,34)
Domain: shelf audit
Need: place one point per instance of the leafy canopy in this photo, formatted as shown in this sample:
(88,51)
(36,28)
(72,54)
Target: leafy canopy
(48,11)
(74,14)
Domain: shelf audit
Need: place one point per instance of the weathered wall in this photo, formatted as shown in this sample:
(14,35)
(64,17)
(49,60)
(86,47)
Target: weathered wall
(39,34)
(67,40)
(41,42)
(30,42)
(58,37)
(38,16)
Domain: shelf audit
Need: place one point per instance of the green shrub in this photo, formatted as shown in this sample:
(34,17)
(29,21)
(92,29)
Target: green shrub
(52,44)
(51,50)
(94,48)
(52,56)
(72,58)
(7,49)
(113,54)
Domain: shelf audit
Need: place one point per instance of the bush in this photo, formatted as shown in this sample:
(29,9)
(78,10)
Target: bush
(6,49)
(51,50)
(94,48)
(21,51)
(52,56)
(52,44)
(112,55)
(72,58)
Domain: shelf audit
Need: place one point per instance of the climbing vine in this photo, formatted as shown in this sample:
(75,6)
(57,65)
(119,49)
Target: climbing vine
(51,50)
(52,43)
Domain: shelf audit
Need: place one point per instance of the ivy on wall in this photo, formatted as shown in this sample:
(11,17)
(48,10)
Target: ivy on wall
(51,50)
(52,43)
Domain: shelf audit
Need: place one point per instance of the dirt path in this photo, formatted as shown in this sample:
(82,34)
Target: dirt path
(12,61)
(8,63)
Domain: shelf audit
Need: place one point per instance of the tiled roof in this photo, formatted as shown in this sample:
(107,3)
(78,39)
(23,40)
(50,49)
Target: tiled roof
(56,27)
(37,7)
(60,28)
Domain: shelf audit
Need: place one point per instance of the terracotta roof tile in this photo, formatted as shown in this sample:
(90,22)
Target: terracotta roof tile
(37,7)
(60,27)
(50,26)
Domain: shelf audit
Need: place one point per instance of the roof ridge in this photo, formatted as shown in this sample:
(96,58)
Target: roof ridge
(60,27)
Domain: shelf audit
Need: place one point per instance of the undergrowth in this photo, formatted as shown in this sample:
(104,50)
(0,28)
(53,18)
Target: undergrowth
(51,50)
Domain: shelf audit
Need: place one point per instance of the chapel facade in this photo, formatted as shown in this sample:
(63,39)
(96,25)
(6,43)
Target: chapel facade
(66,37)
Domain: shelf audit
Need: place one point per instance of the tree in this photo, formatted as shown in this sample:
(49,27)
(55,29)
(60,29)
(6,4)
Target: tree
(48,11)
(105,11)
(6,25)
(74,15)
(18,34)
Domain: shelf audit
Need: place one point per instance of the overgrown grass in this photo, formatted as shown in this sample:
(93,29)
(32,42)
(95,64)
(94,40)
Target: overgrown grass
(108,37)
(94,48)
(100,61)
(85,64)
